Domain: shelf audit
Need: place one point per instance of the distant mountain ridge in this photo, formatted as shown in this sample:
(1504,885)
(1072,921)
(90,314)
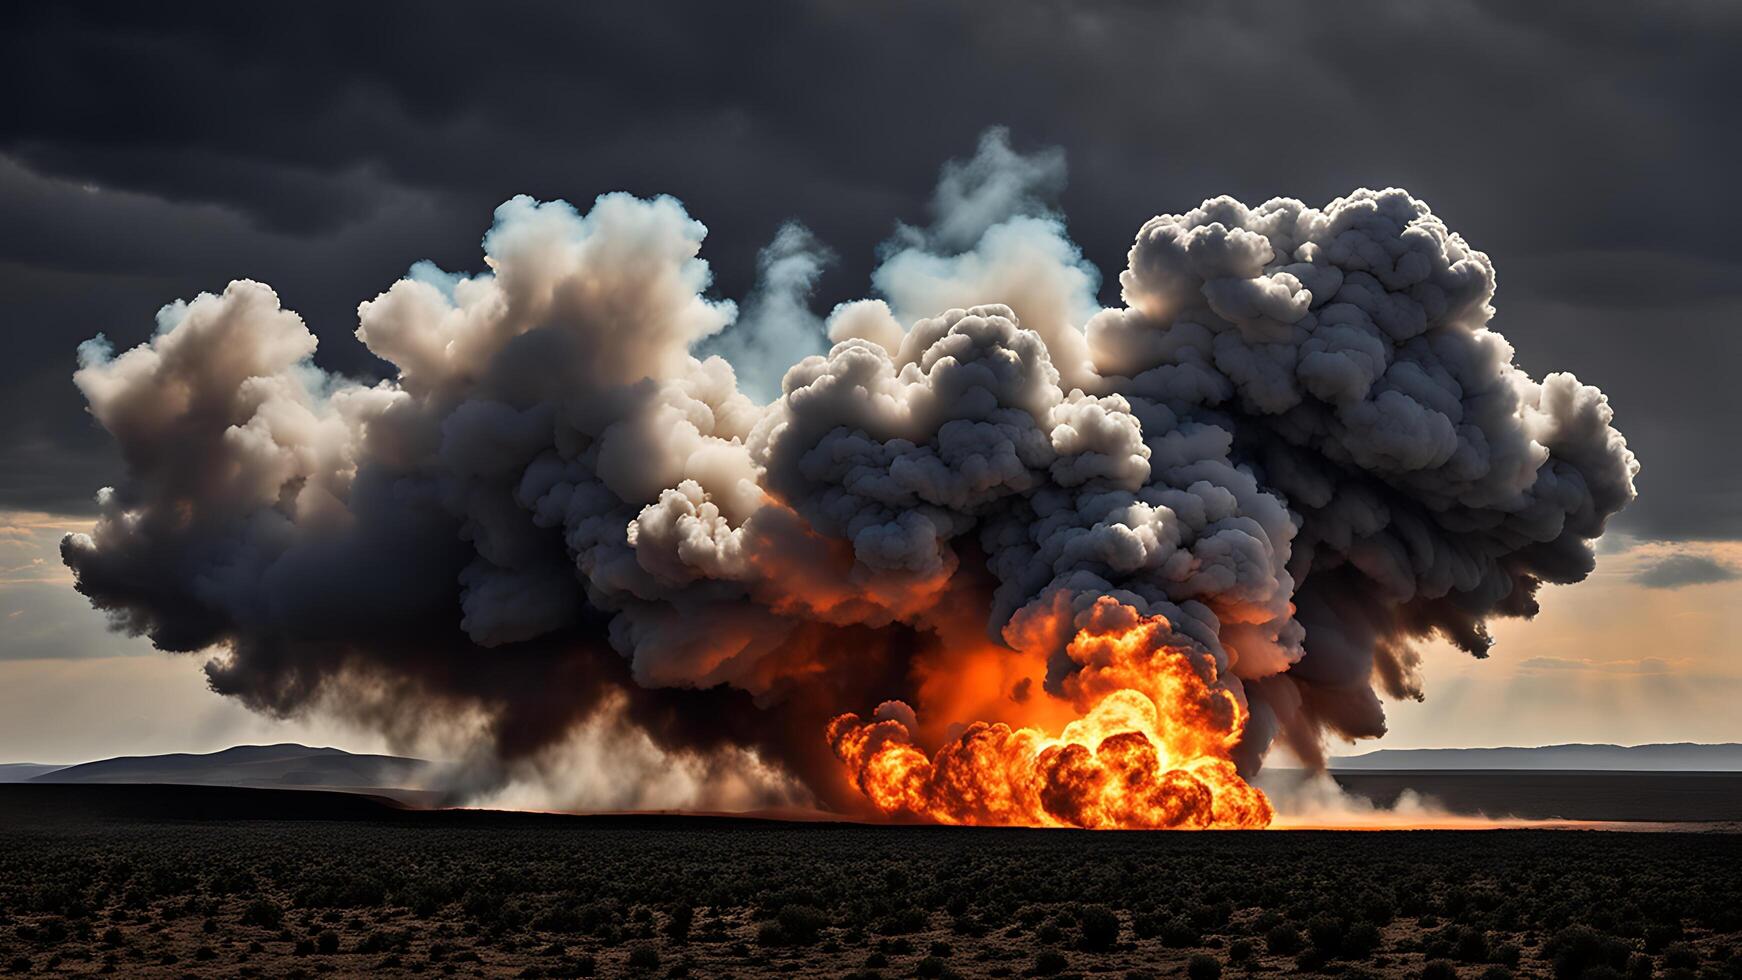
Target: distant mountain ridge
(1661,757)
(285,765)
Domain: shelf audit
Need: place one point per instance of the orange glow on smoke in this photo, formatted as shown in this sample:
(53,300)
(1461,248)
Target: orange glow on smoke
(1148,747)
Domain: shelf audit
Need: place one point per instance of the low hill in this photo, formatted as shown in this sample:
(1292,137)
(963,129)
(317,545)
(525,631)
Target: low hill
(37,805)
(1668,757)
(18,772)
(1669,797)
(286,765)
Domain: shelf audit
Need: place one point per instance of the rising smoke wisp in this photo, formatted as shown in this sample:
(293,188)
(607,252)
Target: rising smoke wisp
(1073,565)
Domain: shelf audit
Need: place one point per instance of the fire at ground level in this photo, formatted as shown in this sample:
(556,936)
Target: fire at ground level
(1149,745)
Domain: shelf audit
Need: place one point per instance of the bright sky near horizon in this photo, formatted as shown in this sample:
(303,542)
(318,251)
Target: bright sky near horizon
(1609,660)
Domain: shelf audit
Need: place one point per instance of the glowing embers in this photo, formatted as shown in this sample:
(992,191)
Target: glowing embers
(1149,749)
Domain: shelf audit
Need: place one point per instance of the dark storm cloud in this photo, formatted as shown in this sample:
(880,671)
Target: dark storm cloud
(1675,571)
(151,152)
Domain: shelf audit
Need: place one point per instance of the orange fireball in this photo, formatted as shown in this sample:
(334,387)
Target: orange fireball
(1149,749)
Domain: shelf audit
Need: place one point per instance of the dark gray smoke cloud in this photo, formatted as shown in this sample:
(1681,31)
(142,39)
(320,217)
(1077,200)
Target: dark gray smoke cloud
(1297,441)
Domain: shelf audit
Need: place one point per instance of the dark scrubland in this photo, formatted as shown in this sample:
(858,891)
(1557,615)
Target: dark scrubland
(207,882)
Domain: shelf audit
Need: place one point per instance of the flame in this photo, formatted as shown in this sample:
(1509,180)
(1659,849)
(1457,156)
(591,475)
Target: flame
(1148,749)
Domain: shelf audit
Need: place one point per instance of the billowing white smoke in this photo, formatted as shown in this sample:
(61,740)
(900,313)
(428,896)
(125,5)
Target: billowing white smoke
(1297,440)
(777,326)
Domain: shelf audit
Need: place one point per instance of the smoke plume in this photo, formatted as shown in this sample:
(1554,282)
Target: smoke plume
(1218,516)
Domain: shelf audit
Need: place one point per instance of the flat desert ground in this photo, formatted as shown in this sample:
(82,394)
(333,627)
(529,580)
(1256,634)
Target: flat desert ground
(161,881)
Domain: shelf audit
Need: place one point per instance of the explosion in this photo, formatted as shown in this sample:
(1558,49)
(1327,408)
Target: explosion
(1092,562)
(1150,751)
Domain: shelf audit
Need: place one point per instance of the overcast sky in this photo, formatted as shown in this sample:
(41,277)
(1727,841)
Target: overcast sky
(150,152)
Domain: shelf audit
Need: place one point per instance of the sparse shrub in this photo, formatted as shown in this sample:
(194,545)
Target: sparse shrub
(380,941)
(1577,950)
(1240,950)
(1325,932)
(1179,934)
(561,918)
(1212,915)
(1681,956)
(1471,945)
(908,920)
(584,965)
(1282,939)
(1049,962)
(1439,970)
(1376,908)
(1660,934)
(678,922)
(931,967)
(327,942)
(1359,941)
(1099,927)
(1496,972)
(796,925)
(263,912)
(644,958)
(1202,966)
